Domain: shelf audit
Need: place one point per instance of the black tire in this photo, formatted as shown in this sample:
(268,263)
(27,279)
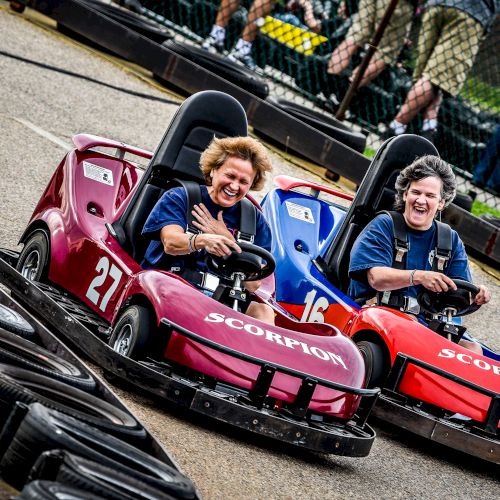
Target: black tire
(376,369)
(328,125)
(34,260)
(13,322)
(53,490)
(25,354)
(222,67)
(134,21)
(93,477)
(18,384)
(135,333)
(464,201)
(43,429)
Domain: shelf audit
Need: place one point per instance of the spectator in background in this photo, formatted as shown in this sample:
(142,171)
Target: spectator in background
(307,14)
(361,32)
(448,43)
(487,171)
(242,52)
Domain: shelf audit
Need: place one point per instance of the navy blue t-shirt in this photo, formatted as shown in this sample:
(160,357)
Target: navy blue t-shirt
(171,209)
(374,247)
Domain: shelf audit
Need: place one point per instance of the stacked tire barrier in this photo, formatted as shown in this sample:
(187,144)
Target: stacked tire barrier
(63,433)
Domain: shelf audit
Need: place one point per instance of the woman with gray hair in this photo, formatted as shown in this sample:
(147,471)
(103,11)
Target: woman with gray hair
(424,189)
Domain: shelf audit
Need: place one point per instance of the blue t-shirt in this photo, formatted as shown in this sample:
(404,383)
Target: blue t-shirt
(171,208)
(375,246)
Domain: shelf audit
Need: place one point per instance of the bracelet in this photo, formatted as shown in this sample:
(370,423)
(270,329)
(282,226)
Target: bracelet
(194,244)
(412,273)
(190,243)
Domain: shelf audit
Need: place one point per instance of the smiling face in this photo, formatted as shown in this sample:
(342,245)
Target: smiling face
(231,182)
(422,201)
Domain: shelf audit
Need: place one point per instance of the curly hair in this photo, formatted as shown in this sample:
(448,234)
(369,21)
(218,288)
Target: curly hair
(245,148)
(426,166)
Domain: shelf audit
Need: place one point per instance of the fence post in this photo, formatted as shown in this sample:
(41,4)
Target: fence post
(373,46)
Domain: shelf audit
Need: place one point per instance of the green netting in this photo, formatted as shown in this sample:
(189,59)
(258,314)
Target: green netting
(293,42)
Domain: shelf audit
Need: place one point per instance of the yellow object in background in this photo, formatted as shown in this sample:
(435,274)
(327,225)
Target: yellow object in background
(296,38)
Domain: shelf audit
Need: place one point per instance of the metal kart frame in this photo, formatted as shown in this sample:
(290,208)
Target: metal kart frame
(246,411)
(479,439)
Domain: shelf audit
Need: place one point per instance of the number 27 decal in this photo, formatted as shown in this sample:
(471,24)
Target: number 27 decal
(103,269)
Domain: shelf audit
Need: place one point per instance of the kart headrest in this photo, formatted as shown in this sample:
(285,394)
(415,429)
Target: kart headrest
(201,117)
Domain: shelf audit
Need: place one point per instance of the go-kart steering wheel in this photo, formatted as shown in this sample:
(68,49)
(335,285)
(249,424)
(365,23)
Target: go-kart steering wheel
(248,262)
(461,299)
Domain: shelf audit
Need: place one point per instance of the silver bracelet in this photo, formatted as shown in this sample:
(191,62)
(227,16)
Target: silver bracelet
(412,273)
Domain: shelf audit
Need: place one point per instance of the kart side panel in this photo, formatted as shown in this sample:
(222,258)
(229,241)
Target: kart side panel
(87,191)
(303,227)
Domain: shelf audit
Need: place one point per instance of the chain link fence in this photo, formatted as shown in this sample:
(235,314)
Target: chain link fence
(430,68)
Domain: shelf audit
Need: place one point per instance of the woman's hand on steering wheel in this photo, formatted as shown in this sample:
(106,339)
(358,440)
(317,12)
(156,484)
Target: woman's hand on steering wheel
(483,296)
(434,281)
(218,245)
(206,223)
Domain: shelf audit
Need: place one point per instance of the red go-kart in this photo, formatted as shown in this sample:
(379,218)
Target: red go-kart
(298,382)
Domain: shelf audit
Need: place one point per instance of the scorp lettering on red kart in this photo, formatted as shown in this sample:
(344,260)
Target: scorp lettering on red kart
(469,360)
(287,342)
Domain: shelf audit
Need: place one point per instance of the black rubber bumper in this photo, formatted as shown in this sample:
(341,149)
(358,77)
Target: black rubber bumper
(458,436)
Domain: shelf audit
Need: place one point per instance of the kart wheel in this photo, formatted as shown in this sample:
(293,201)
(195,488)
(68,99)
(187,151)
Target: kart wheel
(33,262)
(133,333)
(13,322)
(376,370)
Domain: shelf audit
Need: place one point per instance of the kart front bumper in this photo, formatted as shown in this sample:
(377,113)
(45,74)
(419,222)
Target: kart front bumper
(479,439)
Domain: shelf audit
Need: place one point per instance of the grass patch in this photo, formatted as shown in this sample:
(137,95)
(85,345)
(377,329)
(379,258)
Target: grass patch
(369,152)
(479,208)
(483,95)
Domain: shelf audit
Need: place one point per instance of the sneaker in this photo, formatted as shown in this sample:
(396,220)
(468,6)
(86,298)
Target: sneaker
(245,59)
(213,45)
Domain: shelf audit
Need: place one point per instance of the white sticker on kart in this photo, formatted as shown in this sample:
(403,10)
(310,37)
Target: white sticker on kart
(299,212)
(99,174)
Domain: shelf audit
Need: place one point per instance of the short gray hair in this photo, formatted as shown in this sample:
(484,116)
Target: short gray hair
(426,166)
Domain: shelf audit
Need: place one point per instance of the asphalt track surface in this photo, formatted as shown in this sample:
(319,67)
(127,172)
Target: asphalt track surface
(52,88)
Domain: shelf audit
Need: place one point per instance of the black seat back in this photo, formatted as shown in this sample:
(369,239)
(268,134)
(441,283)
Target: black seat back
(375,193)
(201,117)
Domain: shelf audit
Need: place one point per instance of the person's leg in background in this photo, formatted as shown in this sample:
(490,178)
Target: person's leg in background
(242,51)
(215,40)
(448,43)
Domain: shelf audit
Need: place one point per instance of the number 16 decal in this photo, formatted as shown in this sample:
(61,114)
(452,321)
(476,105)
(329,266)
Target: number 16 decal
(314,310)
(103,269)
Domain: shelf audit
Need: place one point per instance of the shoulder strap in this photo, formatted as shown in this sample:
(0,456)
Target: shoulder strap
(401,245)
(248,221)
(442,253)
(193,192)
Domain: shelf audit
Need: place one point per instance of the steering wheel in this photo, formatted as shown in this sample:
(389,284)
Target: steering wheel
(248,262)
(461,299)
